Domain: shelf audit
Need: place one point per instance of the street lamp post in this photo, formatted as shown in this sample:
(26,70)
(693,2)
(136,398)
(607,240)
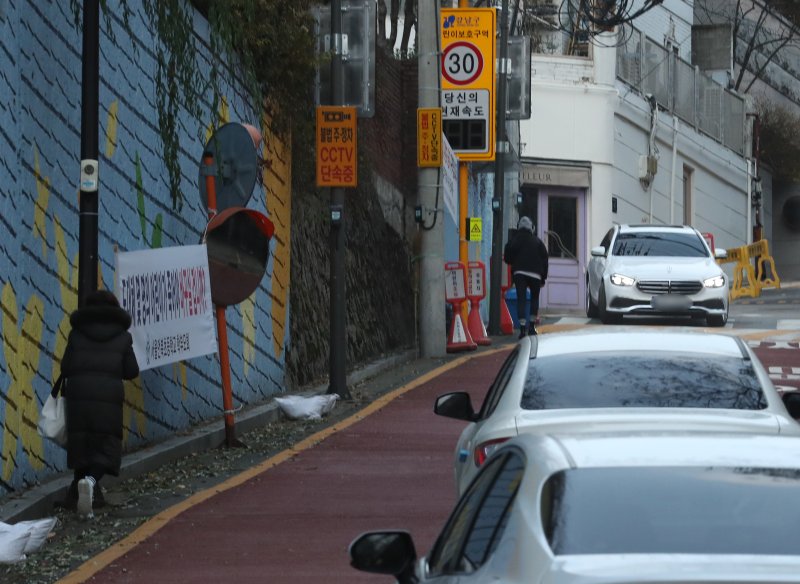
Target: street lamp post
(338,308)
(89,181)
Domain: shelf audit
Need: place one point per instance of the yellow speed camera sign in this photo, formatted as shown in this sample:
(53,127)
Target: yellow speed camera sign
(468,79)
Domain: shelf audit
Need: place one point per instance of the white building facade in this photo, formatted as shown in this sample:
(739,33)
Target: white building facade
(632,133)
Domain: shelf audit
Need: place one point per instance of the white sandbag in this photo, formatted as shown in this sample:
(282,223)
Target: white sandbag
(13,539)
(297,407)
(40,530)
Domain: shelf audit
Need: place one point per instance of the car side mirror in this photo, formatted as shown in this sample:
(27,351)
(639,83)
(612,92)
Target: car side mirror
(456,405)
(599,251)
(791,399)
(385,552)
(720,254)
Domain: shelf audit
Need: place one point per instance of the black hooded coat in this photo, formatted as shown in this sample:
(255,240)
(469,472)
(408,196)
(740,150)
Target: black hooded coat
(99,355)
(525,252)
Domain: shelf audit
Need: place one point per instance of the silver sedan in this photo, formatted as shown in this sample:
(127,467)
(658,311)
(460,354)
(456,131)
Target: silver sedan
(637,378)
(614,508)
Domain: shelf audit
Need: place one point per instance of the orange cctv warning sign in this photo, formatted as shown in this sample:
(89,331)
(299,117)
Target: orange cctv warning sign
(429,137)
(337,146)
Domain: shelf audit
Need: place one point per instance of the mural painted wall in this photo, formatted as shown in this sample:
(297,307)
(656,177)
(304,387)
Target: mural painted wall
(40,94)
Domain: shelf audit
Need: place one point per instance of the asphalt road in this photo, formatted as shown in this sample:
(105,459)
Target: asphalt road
(773,308)
(291,518)
(777,309)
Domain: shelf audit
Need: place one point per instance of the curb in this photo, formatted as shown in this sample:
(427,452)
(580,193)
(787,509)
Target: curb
(38,501)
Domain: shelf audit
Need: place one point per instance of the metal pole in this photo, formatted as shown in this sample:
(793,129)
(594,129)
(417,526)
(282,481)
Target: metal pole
(495,294)
(433,336)
(88,206)
(222,323)
(463,206)
(338,308)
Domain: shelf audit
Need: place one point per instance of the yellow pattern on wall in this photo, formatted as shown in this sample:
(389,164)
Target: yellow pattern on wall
(277,176)
(223,117)
(42,201)
(111,129)
(68,289)
(133,406)
(248,308)
(179,375)
(21,352)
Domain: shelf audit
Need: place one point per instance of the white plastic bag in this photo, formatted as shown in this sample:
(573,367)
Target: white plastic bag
(297,407)
(53,420)
(13,539)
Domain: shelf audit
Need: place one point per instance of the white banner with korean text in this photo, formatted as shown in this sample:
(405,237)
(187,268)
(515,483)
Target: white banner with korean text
(167,292)
(449,179)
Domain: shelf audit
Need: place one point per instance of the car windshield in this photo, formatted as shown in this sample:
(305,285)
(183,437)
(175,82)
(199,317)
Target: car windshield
(681,245)
(672,510)
(606,379)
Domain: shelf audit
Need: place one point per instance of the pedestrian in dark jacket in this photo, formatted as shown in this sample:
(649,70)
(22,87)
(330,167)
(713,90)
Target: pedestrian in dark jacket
(99,355)
(528,258)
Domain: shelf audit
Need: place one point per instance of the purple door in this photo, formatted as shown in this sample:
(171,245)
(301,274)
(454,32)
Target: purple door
(562,226)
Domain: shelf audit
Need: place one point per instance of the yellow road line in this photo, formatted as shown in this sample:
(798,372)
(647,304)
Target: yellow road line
(152,525)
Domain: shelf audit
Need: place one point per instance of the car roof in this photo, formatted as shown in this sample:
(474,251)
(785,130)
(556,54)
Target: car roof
(654,449)
(636,339)
(630,228)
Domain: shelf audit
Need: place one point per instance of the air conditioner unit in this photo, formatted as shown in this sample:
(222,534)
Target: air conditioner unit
(648,167)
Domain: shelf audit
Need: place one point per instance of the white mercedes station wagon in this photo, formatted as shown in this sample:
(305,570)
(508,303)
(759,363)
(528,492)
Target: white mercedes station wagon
(656,269)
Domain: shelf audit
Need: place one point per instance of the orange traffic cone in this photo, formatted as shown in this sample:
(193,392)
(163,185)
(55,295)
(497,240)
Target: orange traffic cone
(459,338)
(475,325)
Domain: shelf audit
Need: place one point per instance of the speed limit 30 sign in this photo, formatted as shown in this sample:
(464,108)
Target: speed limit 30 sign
(468,100)
(462,63)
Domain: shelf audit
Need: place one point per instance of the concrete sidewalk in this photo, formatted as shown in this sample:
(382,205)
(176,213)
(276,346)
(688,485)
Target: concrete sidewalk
(38,501)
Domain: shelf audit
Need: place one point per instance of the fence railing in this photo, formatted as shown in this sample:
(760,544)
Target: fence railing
(681,88)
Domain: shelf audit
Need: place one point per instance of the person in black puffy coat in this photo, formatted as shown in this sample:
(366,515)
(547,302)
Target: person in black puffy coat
(529,261)
(98,356)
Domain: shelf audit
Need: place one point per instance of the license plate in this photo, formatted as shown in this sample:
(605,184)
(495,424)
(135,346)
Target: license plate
(670,303)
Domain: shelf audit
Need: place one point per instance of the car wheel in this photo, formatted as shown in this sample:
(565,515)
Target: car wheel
(591,307)
(602,309)
(717,319)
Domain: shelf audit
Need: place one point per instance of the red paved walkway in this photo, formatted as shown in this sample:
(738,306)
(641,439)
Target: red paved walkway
(293,522)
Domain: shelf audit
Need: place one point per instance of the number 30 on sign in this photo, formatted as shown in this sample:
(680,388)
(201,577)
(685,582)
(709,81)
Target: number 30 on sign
(462,63)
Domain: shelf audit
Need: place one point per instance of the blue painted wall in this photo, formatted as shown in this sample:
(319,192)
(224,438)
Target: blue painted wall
(40,98)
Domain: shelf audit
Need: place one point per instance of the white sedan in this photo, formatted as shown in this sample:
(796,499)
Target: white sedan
(637,378)
(614,508)
(656,270)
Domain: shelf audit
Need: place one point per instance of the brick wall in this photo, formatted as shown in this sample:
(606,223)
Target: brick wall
(378,217)
(390,139)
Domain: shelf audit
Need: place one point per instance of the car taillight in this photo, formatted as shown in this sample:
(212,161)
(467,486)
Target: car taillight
(485,449)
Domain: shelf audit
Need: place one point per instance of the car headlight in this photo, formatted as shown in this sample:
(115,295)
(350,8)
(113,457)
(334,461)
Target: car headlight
(715,282)
(620,280)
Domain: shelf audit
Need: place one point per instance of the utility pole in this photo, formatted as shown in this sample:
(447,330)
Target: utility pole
(498,204)
(338,308)
(89,180)
(433,337)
